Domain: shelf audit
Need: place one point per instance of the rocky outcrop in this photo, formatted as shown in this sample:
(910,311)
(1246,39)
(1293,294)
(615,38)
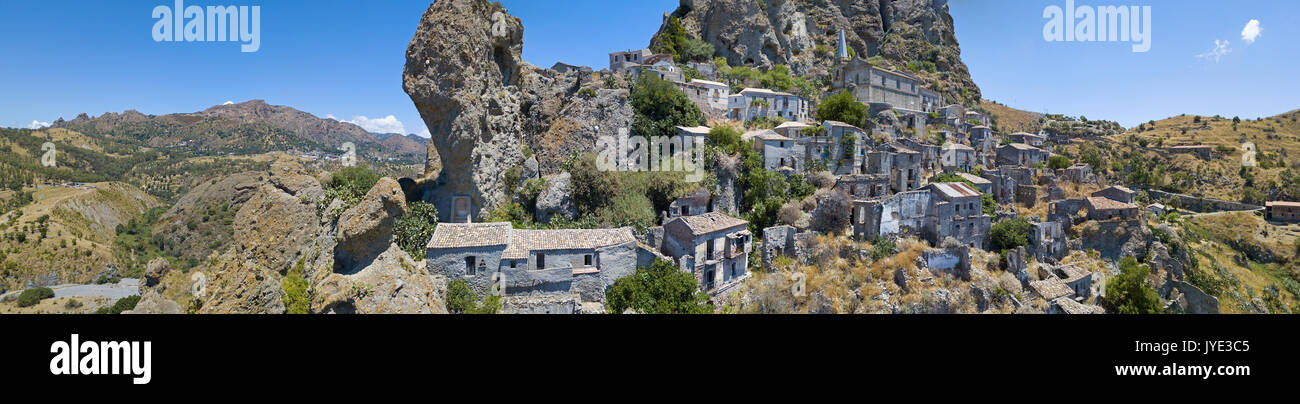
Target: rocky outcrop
(556,199)
(765,33)
(366,230)
(483,105)
(152,302)
(463,72)
(392,284)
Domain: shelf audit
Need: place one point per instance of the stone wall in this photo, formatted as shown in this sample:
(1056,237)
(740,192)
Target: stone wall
(1198,204)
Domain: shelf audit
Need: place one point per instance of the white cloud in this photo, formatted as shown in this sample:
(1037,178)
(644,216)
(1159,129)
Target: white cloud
(38,124)
(424,133)
(388,124)
(228,103)
(1221,47)
(330,116)
(1251,32)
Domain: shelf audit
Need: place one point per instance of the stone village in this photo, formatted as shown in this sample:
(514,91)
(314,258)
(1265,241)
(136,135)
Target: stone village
(888,172)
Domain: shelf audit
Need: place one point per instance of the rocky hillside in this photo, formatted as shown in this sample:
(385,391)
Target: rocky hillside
(65,234)
(803,34)
(489,112)
(244,128)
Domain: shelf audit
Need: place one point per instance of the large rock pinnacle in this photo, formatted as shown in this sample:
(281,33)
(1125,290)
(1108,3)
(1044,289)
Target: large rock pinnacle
(464,72)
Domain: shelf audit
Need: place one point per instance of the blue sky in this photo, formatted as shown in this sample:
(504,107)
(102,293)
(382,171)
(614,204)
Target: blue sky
(344,59)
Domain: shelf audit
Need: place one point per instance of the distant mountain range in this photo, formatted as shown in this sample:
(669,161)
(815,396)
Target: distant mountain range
(244,128)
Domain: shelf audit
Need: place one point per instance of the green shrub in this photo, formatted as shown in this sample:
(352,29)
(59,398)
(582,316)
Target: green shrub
(843,107)
(660,289)
(123,304)
(1128,293)
(589,186)
(629,209)
(725,138)
(1009,234)
(349,185)
(1058,162)
(414,230)
(882,247)
(31,297)
(459,296)
(296,295)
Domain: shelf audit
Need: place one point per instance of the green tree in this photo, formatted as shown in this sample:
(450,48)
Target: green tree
(725,138)
(121,305)
(414,230)
(660,289)
(660,107)
(1009,234)
(1129,293)
(590,187)
(1058,162)
(842,107)
(31,297)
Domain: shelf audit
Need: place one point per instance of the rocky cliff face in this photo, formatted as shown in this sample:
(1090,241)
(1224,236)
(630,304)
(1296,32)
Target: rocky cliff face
(770,32)
(482,104)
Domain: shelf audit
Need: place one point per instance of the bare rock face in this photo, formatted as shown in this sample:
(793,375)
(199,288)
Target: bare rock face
(483,104)
(765,33)
(463,74)
(556,199)
(366,230)
(392,284)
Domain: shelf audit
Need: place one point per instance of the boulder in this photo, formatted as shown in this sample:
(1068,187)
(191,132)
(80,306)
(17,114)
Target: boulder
(366,230)
(393,283)
(152,302)
(153,273)
(556,199)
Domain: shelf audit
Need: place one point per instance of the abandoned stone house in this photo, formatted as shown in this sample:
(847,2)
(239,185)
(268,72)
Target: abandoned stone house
(697,203)
(778,152)
(1006,180)
(1117,193)
(935,213)
(841,147)
(903,166)
(873,85)
(1077,173)
(691,133)
(959,214)
(1027,138)
(708,95)
(975,118)
(752,103)
(863,186)
(1077,279)
(792,130)
(494,257)
(1282,211)
(567,68)
(979,183)
(931,155)
(1048,241)
(661,66)
(621,62)
(1020,154)
(713,246)
(1100,209)
(958,156)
